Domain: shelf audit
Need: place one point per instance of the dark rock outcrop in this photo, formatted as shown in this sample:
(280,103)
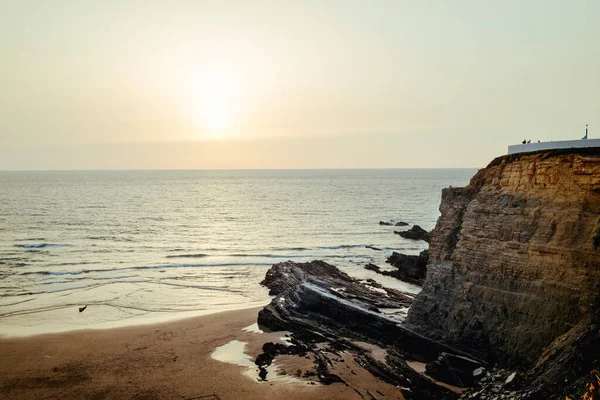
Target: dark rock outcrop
(414,233)
(272,350)
(319,303)
(453,369)
(319,298)
(411,269)
(391,223)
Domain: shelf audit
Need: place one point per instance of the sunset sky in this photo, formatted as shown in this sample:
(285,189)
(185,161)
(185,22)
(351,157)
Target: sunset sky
(291,84)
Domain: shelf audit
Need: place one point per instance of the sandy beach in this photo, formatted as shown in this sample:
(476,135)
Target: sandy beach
(165,361)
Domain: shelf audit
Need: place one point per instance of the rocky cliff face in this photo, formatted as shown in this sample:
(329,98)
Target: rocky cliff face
(514,257)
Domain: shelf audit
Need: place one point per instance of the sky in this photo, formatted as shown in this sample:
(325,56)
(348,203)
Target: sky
(117,84)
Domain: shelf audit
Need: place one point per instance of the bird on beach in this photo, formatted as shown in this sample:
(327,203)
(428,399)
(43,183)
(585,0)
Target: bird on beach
(82,309)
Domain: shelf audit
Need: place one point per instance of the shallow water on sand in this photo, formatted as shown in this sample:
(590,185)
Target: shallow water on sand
(148,246)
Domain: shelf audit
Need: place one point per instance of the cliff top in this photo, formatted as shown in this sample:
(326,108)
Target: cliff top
(584,151)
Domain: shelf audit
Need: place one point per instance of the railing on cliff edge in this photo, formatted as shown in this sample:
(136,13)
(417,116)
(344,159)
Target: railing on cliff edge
(563,144)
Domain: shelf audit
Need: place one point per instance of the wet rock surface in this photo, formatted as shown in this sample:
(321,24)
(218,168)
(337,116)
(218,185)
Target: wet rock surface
(494,385)
(316,296)
(326,310)
(412,269)
(415,233)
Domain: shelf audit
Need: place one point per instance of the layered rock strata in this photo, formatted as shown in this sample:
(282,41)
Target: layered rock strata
(325,308)
(515,260)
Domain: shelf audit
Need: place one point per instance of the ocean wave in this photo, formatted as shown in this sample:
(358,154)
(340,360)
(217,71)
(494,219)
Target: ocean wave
(57,272)
(289,248)
(110,238)
(40,245)
(199,255)
(73,263)
(264,255)
(225,264)
(143,267)
(343,246)
(337,247)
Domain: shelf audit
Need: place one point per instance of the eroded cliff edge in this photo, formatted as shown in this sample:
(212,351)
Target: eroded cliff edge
(515,257)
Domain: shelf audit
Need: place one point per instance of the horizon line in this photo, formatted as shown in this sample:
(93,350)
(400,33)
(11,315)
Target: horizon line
(231,169)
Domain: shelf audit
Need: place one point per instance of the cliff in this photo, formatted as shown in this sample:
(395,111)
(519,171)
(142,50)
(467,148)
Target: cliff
(515,259)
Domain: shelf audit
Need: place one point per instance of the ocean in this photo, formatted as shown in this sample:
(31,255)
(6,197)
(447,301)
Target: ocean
(151,246)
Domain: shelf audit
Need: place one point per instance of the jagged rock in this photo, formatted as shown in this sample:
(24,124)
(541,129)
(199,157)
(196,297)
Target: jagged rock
(397,372)
(319,303)
(272,350)
(414,233)
(411,269)
(453,369)
(319,297)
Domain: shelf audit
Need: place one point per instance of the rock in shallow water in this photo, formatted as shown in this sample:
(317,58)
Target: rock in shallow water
(414,233)
(412,269)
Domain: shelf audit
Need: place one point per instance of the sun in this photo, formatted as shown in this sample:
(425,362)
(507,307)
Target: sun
(216,115)
(216,95)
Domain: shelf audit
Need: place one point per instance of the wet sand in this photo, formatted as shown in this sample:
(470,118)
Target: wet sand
(167,361)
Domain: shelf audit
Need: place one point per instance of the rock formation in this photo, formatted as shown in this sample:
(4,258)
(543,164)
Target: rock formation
(327,309)
(392,223)
(414,233)
(410,269)
(316,296)
(513,280)
(515,265)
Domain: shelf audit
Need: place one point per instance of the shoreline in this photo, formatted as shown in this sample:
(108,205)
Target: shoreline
(22,332)
(156,361)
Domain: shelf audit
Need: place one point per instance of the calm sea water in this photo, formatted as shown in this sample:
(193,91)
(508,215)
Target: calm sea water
(148,246)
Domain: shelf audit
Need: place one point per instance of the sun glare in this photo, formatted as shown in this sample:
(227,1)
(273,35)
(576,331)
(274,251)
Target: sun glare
(216,94)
